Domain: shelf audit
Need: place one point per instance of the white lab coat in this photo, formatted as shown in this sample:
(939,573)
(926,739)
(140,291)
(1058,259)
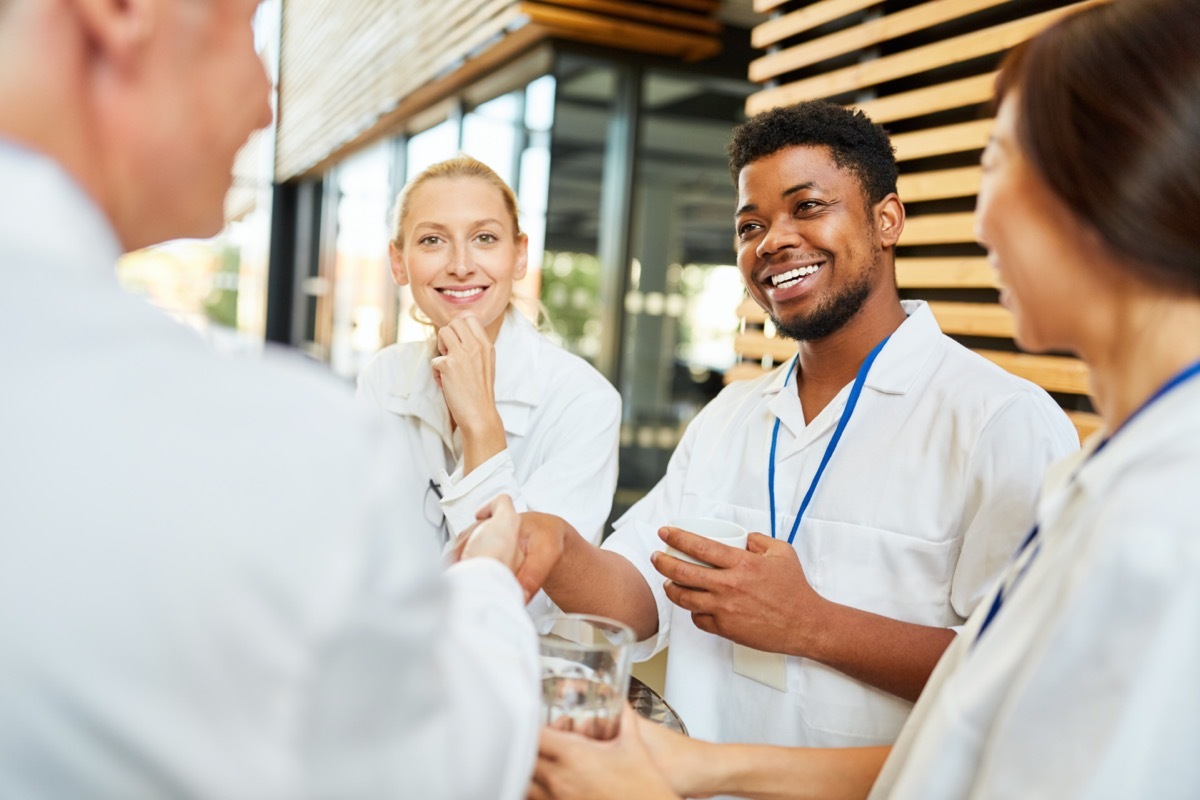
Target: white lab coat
(206,585)
(562,421)
(926,497)
(1087,682)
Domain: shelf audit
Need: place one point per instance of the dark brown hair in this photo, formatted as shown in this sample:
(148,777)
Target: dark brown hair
(1108,112)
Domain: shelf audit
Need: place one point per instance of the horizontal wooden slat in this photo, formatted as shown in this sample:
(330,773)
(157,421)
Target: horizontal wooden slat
(763,6)
(803,19)
(602,30)
(751,311)
(917,187)
(939,229)
(1052,373)
(1086,423)
(644,12)
(940,141)
(931,99)
(973,319)
(939,54)
(756,344)
(868,34)
(944,273)
(744,371)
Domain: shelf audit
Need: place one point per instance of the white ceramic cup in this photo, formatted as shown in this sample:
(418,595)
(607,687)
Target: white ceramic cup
(719,530)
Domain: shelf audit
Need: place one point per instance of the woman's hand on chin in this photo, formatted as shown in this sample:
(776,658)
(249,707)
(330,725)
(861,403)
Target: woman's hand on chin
(466,371)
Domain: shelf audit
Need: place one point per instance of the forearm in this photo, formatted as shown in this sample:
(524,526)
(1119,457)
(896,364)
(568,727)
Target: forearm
(590,580)
(482,438)
(785,773)
(895,656)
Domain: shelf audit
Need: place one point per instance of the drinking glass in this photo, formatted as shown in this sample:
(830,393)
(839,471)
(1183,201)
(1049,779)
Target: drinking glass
(585,678)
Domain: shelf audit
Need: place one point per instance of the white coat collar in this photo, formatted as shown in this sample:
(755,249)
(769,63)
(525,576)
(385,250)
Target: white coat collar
(895,371)
(415,393)
(44,211)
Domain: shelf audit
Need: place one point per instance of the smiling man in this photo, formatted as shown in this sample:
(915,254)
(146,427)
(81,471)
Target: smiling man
(888,472)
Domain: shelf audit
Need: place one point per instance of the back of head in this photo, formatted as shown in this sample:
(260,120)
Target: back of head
(856,144)
(1108,104)
(459,167)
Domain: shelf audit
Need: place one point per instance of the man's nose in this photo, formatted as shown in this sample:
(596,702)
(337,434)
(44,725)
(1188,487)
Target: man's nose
(781,235)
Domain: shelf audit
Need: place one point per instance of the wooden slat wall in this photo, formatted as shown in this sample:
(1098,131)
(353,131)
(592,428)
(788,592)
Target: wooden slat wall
(352,72)
(925,70)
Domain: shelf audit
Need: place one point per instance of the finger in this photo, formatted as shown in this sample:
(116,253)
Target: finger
(500,504)
(629,725)
(689,599)
(706,623)
(448,338)
(535,568)
(758,543)
(683,572)
(537,791)
(708,551)
(473,327)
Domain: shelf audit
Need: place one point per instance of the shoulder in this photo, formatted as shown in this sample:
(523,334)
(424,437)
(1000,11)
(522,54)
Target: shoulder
(564,373)
(966,382)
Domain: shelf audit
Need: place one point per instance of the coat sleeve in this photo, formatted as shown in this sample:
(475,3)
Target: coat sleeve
(425,682)
(576,480)
(1006,468)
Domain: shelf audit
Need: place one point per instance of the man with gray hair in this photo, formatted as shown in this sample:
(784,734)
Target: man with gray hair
(210,585)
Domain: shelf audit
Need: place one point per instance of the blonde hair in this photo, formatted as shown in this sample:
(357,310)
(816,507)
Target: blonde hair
(461,166)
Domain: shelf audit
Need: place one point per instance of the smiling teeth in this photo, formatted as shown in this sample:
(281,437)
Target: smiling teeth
(463,293)
(785,279)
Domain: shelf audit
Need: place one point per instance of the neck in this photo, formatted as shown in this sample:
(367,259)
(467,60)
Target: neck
(1148,342)
(826,365)
(43,104)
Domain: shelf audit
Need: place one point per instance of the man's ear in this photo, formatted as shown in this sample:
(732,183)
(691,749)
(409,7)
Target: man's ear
(399,270)
(118,29)
(889,213)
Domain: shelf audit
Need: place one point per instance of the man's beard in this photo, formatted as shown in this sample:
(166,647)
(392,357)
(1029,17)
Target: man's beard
(830,316)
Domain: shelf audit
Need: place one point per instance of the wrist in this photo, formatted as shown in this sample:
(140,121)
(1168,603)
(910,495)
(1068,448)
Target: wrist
(814,637)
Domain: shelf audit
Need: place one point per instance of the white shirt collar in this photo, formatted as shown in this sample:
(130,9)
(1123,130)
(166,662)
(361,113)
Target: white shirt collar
(516,390)
(44,211)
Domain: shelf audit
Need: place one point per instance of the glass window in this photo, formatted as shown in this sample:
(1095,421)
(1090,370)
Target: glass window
(362,283)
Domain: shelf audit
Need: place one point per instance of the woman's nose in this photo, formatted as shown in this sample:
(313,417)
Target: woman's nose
(460,262)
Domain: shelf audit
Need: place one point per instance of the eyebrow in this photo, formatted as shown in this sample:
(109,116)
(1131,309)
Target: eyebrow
(788,192)
(441,227)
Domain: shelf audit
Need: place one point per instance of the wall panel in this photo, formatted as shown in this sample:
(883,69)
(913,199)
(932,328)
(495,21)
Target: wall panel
(355,71)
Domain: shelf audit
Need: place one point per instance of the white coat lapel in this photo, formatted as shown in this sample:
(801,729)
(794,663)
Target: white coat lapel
(518,356)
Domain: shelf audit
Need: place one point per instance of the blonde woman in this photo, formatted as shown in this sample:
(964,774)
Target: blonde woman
(496,406)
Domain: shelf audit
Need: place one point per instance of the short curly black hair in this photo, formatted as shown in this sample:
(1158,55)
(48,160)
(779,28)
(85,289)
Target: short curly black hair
(857,143)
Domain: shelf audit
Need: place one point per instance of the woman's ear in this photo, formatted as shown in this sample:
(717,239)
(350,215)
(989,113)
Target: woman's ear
(522,262)
(399,270)
(890,213)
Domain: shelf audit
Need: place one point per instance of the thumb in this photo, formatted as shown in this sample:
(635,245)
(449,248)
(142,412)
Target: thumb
(759,544)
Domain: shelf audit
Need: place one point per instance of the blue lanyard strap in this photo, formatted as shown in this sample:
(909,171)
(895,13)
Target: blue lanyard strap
(851,402)
(1182,376)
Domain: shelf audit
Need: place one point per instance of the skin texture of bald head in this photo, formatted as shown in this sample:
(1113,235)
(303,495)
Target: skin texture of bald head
(144,102)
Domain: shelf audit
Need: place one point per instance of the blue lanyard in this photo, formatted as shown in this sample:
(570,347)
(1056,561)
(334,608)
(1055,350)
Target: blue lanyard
(1182,376)
(855,391)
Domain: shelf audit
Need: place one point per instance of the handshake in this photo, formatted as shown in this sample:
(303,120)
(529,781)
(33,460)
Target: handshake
(528,543)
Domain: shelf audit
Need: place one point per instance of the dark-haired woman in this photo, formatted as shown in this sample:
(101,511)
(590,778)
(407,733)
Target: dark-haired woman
(1079,677)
